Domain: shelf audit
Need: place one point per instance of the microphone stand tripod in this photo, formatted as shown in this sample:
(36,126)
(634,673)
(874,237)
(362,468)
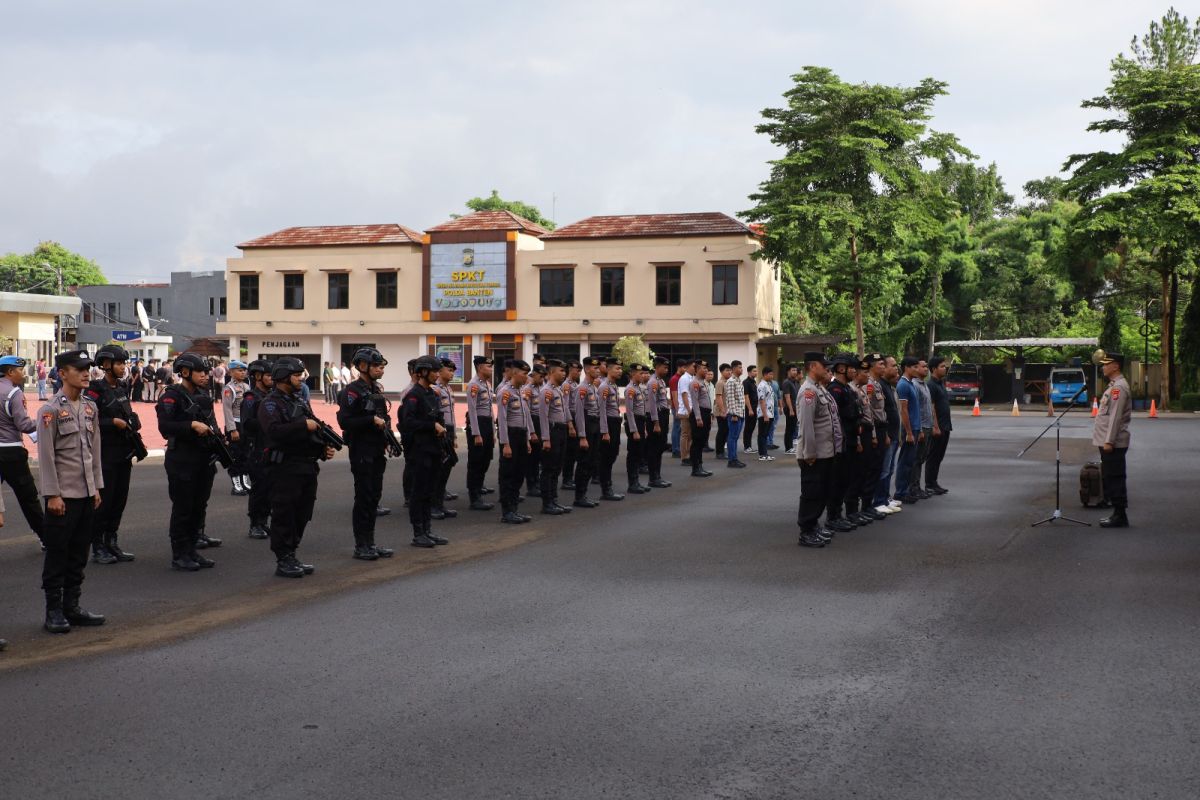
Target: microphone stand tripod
(1057,425)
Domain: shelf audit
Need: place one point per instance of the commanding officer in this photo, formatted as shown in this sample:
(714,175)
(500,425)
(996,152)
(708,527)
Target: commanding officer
(818,439)
(364,417)
(658,406)
(847,409)
(531,392)
(553,411)
(700,405)
(592,427)
(14,424)
(1110,433)
(117,421)
(514,424)
(424,448)
(71,476)
(259,502)
(481,442)
(610,400)
(570,390)
(231,405)
(292,452)
(450,456)
(185,420)
(635,427)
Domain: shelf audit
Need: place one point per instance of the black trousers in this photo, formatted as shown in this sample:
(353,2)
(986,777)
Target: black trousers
(66,538)
(609,452)
(860,463)
(424,468)
(189,485)
(1112,476)
(635,450)
(656,443)
(552,462)
(479,456)
(748,432)
(790,429)
(700,438)
(937,452)
(839,480)
(585,464)
(238,451)
(533,464)
(512,468)
(258,505)
(922,456)
(722,434)
(444,469)
(367,468)
(14,470)
(107,519)
(570,456)
(764,431)
(874,466)
(293,494)
(816,483)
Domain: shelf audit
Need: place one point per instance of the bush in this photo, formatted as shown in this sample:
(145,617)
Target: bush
(1190,401)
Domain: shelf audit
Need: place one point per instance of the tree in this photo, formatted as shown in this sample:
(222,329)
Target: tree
(632,350)
(1110,327)
(1189,340)
(850,184)
(37,272)
(496,203)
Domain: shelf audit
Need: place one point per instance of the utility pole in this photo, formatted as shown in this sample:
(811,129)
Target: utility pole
(57,317)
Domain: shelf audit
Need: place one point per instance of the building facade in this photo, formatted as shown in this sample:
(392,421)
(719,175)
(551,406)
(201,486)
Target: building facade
(29,320)
(494,283)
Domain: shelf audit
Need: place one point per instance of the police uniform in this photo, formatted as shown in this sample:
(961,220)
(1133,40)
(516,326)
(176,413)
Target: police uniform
(513,422)
(552,410)
(858,511)
(258,502)
(1111,427)
(423,449)
(590,425)
(116,459)
(479,423)
(14,458)
(876,403)
(818,439)
(450,451)
(570,392)
(658,406)
(360,404)
(636,428)
(610,399)
(406,476)
(232,398)
(69,468)
(701,421)
(846,400)
(532,394)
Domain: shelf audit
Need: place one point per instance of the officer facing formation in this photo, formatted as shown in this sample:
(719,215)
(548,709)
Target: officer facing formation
(258,505)
(232,397)
(14,424)
(819,440)
(119,444)
(424,449)
(1110,433)
(364,416)
(185,420)
(71,478)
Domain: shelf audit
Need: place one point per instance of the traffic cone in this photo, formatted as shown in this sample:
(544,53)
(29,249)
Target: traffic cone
(1016,412)
(1153,409)
(1095,407)
(975,412)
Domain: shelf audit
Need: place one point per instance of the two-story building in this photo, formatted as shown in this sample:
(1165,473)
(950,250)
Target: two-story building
(494,283)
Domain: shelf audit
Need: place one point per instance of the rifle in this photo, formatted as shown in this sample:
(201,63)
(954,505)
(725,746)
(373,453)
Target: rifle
(393,444)
(214,441)
(135,439)
(324,433)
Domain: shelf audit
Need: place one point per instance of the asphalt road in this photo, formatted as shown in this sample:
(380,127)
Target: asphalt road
(675,646)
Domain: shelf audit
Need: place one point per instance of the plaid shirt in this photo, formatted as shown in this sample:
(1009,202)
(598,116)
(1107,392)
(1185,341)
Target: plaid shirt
(735,398)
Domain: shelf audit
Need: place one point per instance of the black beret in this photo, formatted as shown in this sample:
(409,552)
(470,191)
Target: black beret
(477,360)
(554,362)
(540,369)
(516,363)
(591,361)
(814,355)
(662,361)
(449,364)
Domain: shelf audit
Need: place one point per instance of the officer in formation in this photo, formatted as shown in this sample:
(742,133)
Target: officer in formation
(819,438)
(71,480)
(186,421)
(120,442)
(258,505)
(446,402)
(292,450)
(591,431)
(232,397)
(700,403)
(570,388)
(364,417)
(481,432)
(553,423)
(531,393)
(658,409)
(513,423)
(868,456)
(1110,433)
(424,448)
(872,368)
(610,445)
(14,424)
(846,399)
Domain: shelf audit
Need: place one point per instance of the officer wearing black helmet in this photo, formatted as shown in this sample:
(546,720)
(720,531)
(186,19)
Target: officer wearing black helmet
(424,449)
(185,420)
(117,421)
(259,503)
(291,453)
(364,418)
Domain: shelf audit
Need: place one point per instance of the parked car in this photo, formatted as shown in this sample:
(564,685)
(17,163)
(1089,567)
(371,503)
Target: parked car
(1065,382)
(964,382)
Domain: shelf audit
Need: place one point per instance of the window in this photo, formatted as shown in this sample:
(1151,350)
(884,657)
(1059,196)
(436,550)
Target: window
(386,289)
(725,284)
(339,290)
(612,286)
(158,306)
(248,292)
(563,351)
(558,287)
(148,304)
(111,311)
(705,351)
(221,305)
(212,306)
(293,291)
(666,290)
(87,313)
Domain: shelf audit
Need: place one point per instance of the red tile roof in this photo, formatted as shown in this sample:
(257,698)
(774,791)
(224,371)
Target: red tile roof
(706,223)
(331,235)
(490,221)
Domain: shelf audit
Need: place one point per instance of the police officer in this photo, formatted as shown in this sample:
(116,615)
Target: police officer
(819,439)
(859,510)
(872,369)
(292,453)
(570,390)
(450,455)
(481,431)
(424,447)
(701,419)
(1110,433)
(118,424)
(591,425)
(185,420)
(71,478)
(635,428)
(364,417)
(847,409)
(531,392)
(513,422)
(610,400)
(553,412)
(258,505)
(231,405)
(14,424)
(658,407)
(406,476)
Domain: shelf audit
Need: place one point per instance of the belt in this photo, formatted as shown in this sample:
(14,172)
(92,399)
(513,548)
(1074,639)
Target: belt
(12,444)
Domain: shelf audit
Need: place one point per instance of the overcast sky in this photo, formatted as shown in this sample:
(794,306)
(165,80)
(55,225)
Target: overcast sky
(154,136)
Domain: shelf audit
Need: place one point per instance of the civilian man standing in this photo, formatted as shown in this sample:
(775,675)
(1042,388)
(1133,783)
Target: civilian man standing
(788,403)
(750,387)
(928,425)
(735,414)
(910,418)
(943,424)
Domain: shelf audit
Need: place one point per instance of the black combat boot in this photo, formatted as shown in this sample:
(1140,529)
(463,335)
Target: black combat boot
(383,552)
(202,561)
(434,537)
(307,568)
(512,518)
(75,615)
(420,539)
(479,504)
(181,559)
(364,552)
(552,509)
(1115,520)
(607,493)
(437,513)
(259,532)
(55,621)
(383,511)
(115,549)
(204,541)
(289,567)
(810,539)
(100,555)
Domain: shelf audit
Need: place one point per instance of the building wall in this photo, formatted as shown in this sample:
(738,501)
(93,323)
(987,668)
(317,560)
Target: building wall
(184,303)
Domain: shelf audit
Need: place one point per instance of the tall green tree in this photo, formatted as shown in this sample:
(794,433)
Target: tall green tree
(1110,326)
(494,202)
(1189,340)
(849,187)
(37,272)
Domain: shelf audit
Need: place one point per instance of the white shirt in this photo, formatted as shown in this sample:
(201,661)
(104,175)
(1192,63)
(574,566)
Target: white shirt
(346,379)
(685,380)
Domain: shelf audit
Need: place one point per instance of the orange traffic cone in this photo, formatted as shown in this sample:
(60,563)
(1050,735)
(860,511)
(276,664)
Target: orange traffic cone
(1153,409)
(1016,412)
(975,412)
(1095,407)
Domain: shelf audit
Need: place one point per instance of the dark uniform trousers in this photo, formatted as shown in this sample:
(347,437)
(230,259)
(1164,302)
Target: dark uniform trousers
(367,465)
(874,466)
(937,452)
(512,469)
(1112,477)
(14,470)
(67,539)
(790,428)
(533,464)
(189,484)
(425,467)
(585,464)
(860,464)
(816,483)
(656,443)
(722,435)
(570,456)
(552,462)
(840,469)
(112,497)
(444,468)
(609,452)
(293,494)
(700,438)
(258,505)
(479,456)
(635,450)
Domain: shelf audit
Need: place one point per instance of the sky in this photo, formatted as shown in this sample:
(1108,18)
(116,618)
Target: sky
(155,136)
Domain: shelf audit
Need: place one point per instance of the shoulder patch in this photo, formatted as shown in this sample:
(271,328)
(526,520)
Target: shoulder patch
(870,388)
(351,395)
(1116,393)
(167,400)
(47,418)
(505,396)
(92,393)
(582,392)
(474,389)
